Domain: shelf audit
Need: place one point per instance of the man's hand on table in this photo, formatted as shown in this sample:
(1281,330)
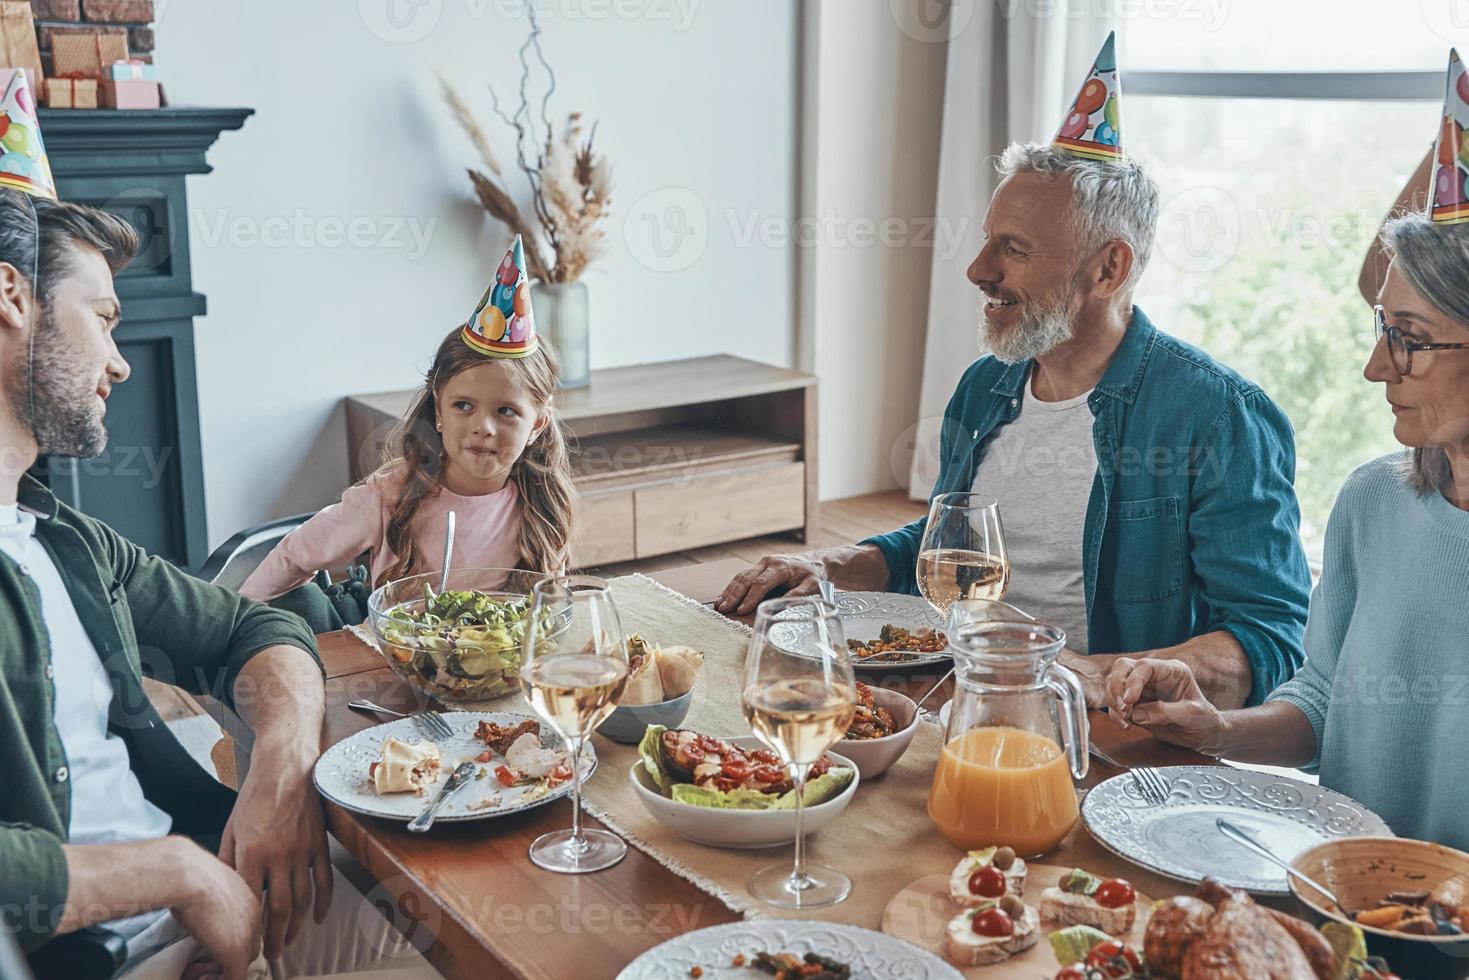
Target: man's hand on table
(276,835)
(1164,698)
(276,840)
(856,567)
(1092,672)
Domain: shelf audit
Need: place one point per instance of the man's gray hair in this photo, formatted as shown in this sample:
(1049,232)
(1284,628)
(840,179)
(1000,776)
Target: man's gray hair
(1112,199)
(1435,260)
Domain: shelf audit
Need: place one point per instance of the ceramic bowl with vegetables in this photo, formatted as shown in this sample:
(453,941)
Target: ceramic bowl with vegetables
(460,645)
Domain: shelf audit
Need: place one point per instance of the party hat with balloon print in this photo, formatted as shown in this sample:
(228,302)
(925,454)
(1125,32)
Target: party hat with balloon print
(502,325)
(1448,194)
(1093,127)
(23,163)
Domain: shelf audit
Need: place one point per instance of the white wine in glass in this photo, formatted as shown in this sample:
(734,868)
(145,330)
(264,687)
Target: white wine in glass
(573,670)
(962,555)
(799,699)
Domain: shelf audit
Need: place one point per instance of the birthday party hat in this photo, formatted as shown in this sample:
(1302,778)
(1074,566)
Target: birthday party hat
(502,325)
(1093,127)
(1448,202)
(23,163)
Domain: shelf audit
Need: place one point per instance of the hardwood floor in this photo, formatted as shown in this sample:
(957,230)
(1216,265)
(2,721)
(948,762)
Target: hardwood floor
(840,522)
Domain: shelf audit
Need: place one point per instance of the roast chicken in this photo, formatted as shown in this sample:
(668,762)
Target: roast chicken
(1223,935)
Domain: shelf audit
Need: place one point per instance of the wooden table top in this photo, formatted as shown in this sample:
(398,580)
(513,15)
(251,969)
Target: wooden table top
(471,890)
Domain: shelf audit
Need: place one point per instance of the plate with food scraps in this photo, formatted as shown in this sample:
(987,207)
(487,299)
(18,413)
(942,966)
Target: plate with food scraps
(734,952)
(514,774)
(1181,840)
(886,631)
(942,914)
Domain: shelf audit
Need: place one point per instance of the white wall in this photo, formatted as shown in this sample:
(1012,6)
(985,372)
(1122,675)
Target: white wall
(697,110)
(879,97)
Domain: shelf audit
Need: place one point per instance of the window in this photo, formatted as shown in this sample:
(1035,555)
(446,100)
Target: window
(1273,185)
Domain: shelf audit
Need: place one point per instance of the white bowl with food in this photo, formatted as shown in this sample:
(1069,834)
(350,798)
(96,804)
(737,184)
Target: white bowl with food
(719,810)
(879,711)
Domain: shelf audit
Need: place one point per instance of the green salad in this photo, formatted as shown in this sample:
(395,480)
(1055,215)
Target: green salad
(465,643)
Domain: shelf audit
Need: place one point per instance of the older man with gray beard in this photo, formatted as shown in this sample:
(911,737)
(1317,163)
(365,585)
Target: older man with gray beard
(1145,489)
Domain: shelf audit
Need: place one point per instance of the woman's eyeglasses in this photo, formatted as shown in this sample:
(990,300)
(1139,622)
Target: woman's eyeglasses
(1399,348)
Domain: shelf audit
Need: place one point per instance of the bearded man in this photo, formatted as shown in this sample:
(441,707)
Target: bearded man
(1145,489)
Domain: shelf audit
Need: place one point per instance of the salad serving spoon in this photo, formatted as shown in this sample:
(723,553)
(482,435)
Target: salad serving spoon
(448,551)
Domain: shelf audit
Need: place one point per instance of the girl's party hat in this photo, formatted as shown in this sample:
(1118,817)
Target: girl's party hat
(1447,200)
(1093,127)
(23,163)
(502,325)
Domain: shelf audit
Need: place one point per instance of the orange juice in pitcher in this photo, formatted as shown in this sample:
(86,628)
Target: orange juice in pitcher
(1011,750)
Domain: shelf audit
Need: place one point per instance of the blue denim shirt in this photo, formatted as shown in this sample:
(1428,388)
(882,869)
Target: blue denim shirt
(1193,524)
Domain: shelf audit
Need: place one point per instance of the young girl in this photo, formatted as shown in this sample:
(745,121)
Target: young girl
(480,439)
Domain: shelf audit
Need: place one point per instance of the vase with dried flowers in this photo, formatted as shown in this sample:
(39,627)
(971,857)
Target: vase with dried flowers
(570,191)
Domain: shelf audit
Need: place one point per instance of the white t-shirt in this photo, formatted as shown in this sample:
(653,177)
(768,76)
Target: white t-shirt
(1040,468)
(107,802)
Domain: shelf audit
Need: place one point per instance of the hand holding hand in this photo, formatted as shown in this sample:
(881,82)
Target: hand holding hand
(1163,697)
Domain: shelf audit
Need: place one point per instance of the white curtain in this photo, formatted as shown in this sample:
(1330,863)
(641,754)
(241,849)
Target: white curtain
(1013,67)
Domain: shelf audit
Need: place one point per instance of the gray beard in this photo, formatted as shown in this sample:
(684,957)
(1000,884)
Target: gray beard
(1040,331)
(53,401)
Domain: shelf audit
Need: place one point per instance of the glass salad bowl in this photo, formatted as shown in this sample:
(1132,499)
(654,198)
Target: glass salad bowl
(461,645)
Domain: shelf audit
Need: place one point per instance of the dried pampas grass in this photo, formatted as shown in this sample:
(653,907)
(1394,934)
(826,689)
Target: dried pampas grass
(571,184)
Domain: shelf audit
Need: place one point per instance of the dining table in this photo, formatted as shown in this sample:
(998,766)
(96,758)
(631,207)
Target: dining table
(468,897)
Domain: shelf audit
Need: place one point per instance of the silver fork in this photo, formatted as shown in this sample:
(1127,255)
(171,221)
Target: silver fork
(1151,784)
(429,723)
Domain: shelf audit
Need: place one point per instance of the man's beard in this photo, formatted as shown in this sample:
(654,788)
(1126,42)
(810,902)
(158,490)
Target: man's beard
(53,399)
(1043,326)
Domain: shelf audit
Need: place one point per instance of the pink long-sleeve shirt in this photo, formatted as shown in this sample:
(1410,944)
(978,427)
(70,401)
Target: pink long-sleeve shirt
(486,534)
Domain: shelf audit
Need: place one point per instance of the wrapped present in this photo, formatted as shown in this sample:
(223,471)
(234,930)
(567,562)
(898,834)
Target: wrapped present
(85,55)
(70,93)
(18,47)
(133,70)
(130,94)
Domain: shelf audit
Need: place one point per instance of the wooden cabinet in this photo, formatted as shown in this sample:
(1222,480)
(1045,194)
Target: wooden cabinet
(667,456)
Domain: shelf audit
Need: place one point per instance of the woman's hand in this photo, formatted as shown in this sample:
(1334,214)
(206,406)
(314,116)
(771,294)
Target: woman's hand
(1163,697)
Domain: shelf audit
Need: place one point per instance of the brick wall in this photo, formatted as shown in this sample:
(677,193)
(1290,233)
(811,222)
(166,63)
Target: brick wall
(133,18)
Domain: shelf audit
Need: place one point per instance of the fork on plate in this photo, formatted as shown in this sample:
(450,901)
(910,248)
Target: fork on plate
(1151,785)
(430,723)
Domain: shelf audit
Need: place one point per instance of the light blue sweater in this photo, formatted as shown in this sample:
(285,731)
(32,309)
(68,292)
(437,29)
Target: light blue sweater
(1386,679)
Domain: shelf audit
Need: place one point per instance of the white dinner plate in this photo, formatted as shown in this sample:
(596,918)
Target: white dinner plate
(863,615)
(870,954)
(1179,839)
(341,772)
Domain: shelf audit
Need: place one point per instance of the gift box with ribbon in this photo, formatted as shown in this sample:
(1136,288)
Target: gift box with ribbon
(130,94)
(73,92)
(84,55)
(132,70)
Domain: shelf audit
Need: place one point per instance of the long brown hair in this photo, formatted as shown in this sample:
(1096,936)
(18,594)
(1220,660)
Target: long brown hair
(542,474)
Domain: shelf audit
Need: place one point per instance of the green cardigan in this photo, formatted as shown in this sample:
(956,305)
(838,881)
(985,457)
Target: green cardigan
(145,617)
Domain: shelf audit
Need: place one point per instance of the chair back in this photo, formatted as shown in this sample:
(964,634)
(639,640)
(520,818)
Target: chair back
(242,552)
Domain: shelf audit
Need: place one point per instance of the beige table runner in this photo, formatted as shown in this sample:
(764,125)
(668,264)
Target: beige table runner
(883,841)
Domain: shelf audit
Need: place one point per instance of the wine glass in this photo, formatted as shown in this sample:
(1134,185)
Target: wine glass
(573,671)
(963,551)
(799,698)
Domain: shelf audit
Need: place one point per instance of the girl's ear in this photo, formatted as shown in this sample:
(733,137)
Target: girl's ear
(542,420)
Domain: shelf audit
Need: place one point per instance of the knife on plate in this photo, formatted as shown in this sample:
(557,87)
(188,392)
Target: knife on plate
(462,774)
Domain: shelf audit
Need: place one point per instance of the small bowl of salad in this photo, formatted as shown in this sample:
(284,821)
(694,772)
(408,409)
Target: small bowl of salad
(461,645)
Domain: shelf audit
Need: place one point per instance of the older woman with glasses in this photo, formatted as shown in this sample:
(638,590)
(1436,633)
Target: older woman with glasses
(1381,707)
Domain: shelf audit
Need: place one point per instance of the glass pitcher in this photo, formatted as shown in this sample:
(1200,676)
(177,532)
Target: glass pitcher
(1017,734)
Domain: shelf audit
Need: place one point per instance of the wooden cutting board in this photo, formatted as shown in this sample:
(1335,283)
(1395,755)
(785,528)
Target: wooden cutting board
(921,912)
